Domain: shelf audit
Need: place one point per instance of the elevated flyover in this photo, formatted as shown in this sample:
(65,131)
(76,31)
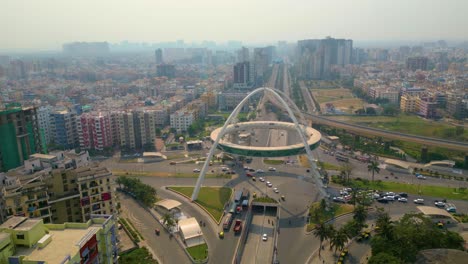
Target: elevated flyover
(369,131)
(312,136)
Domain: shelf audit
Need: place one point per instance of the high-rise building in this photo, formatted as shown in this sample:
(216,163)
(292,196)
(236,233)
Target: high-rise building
(243,55)
(20,136)
(126,130)
(137,129)
(64,133)
(94,131)
(158,54)
(165,70)
(416,63)
(243,75)
(43,117)
(31,241)
(316,57)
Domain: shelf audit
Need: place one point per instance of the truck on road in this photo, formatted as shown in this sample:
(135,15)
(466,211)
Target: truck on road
(227,221)
(238,226)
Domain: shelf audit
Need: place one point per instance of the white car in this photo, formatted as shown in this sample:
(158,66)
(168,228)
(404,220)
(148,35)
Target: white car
(402,200)
(439,204)
(261,179)
(389,198)
(196,170)
(419,201)
(276,190)
(269,184)
(264,237)
(420,177)
(260,171)
(271,169)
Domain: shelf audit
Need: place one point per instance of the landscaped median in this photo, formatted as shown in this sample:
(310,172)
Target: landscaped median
(273,161)
(212,199)
(198,253)
(317,215)
(417,189)
(168,174)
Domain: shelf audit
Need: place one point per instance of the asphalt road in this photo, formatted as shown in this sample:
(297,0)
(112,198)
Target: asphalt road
(167,249)
(256,250)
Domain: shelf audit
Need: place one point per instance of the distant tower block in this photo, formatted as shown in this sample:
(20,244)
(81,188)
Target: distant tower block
(158,56)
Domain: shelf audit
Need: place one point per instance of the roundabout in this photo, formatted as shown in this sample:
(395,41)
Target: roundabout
(235,131)
(309,137)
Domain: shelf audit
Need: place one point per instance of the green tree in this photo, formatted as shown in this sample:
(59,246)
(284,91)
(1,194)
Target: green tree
(321,232)
(346,170)
(323,205)
(168,221)
(360,214)
(352,228)
(339,239)
(384,258)
(373,167)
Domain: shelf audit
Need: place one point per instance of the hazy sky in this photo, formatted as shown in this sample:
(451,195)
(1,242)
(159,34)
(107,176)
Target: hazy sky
(47,24)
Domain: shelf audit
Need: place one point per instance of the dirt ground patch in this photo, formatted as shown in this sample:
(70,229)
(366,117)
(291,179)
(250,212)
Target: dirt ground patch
(329,95)
(346,105)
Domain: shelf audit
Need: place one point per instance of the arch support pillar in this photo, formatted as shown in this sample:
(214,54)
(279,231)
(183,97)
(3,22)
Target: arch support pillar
(300,129)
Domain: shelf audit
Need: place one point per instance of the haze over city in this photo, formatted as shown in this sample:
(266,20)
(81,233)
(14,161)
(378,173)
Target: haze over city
(47,24)
(243,132)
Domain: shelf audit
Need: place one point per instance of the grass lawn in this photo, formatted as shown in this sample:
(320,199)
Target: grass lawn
(139,255)
(427,190)
(167,174)
(334,211)
(212,199)
(265,199)
(329,166)
(199,252)
(273,162)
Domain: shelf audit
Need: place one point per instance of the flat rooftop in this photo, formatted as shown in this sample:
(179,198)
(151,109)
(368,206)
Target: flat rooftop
(42,156)
(20,223)
(64,243)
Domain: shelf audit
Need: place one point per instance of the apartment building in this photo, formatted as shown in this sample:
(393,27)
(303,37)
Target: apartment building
(409,104)
(63,128)
(95,131)
(181,120)
(59,187)
(20,136)
(30,241)
(126,130)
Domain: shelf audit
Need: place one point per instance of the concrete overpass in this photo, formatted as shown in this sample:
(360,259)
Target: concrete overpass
(369,131)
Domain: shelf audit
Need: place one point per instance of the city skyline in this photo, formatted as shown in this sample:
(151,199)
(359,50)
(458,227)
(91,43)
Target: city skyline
(46,25)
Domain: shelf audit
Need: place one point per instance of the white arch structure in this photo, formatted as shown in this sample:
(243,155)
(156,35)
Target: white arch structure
(234,113)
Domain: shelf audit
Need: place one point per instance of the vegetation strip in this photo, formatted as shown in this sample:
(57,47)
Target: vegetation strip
(416,189)
(211,199)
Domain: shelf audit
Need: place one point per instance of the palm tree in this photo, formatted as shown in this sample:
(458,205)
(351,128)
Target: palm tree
(323,205)
(168,220)
(384,224)
(339,239)
(373,167)
(320,231)
(360,214)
